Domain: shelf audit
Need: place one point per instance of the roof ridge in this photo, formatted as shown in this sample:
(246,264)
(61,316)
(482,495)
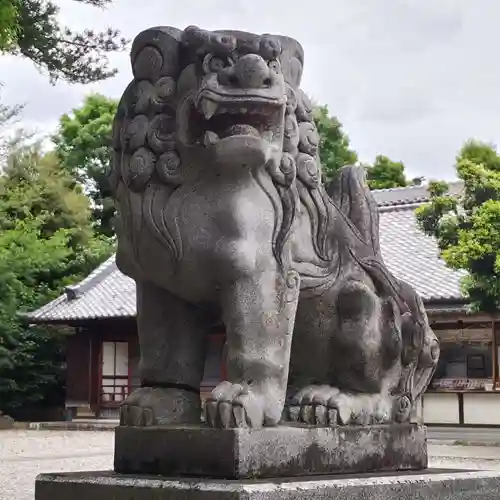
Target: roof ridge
(46,307)
(415,186)
(399,207)
(400,188)
(96,276)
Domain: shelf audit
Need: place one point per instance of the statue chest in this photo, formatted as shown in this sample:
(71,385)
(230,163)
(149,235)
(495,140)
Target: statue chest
(210,215)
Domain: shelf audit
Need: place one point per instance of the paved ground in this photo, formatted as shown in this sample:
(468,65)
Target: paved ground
(484,435)
(24,454)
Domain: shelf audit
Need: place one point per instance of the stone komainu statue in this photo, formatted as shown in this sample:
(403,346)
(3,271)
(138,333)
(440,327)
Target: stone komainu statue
(222,215)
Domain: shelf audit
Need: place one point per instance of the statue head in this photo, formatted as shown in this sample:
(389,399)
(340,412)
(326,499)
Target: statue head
(223,103)
(224,99)
(233,94)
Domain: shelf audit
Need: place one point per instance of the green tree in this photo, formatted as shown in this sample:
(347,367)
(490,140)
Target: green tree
(83,145)
(46,242)
(467,227)
(385,173)
(9,27)
(30,28)
(335,151)
(9,116)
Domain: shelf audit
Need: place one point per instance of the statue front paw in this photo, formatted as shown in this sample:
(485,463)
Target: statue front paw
(328,406)
(238,406)
(313,405)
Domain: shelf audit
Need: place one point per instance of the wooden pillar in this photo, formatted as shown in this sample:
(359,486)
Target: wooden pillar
(494,355)
(92,367)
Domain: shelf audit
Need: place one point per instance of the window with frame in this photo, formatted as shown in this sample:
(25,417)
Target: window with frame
(115,384)
(476,366)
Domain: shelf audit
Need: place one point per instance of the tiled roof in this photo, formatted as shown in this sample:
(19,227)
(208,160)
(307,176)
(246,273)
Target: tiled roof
(409,195)
(413,256)
(409,254)
(106,293)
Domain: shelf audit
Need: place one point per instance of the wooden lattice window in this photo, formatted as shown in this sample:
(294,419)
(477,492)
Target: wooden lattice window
(115,380)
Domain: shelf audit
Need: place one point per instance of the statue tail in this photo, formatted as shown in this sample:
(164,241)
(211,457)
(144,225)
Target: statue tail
(352,197)
(350,193)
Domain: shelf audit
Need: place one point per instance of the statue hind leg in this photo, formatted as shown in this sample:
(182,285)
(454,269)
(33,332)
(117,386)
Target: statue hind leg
(364,353)
(172,339)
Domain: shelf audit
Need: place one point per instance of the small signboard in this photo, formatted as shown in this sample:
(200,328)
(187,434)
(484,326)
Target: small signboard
(461,384)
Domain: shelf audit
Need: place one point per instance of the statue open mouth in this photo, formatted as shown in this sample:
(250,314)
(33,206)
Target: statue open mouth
(220,117)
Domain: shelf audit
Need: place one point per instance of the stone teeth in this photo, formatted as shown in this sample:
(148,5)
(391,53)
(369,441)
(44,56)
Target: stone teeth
(208,108)
(210,138)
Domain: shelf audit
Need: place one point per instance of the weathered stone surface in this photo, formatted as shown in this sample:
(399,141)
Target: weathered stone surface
(433,485)
(269,452)
(222,216)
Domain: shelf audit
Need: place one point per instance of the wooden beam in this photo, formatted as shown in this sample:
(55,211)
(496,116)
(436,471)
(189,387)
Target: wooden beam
(438,316)
(470,334)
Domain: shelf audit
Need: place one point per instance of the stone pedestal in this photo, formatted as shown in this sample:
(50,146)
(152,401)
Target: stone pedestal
(272,452)
(281,463)
(431,485)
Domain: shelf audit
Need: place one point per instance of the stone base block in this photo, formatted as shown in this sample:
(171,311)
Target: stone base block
(432,485)
(270,452)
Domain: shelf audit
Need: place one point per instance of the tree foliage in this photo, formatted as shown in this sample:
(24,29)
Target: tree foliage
(83,145)
(467,227)
(30,28)
(335,151)
(9,27)
(8,115)
(46,242)
(385,173)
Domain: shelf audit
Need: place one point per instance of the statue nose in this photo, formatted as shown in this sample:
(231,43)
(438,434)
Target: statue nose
(250,71)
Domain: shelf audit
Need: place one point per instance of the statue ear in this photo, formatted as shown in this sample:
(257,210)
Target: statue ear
(155,53)
(143,131)
(292,60)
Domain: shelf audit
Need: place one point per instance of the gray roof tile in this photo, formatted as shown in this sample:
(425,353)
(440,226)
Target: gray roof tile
(409,254)
(409,195)
(413,257)
(106,293)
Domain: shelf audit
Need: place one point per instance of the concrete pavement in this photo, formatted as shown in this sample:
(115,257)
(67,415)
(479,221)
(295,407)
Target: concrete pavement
(445,435)
(24,454)
(480,436)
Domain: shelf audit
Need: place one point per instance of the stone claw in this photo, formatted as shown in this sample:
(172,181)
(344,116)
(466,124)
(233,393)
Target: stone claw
(318,415)
(234,406)
(136,416)
(310,406)
(328,406)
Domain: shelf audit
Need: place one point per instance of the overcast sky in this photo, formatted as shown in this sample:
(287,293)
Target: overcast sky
(411,79)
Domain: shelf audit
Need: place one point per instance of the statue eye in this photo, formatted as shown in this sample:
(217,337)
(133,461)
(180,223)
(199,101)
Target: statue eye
(274,65)
(214,64)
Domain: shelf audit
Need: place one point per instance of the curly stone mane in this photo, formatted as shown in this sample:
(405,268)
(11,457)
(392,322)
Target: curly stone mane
(299,172)
(146,161)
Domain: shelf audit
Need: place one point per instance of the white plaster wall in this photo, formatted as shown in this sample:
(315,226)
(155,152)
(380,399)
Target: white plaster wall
(441,408)
(482,409)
